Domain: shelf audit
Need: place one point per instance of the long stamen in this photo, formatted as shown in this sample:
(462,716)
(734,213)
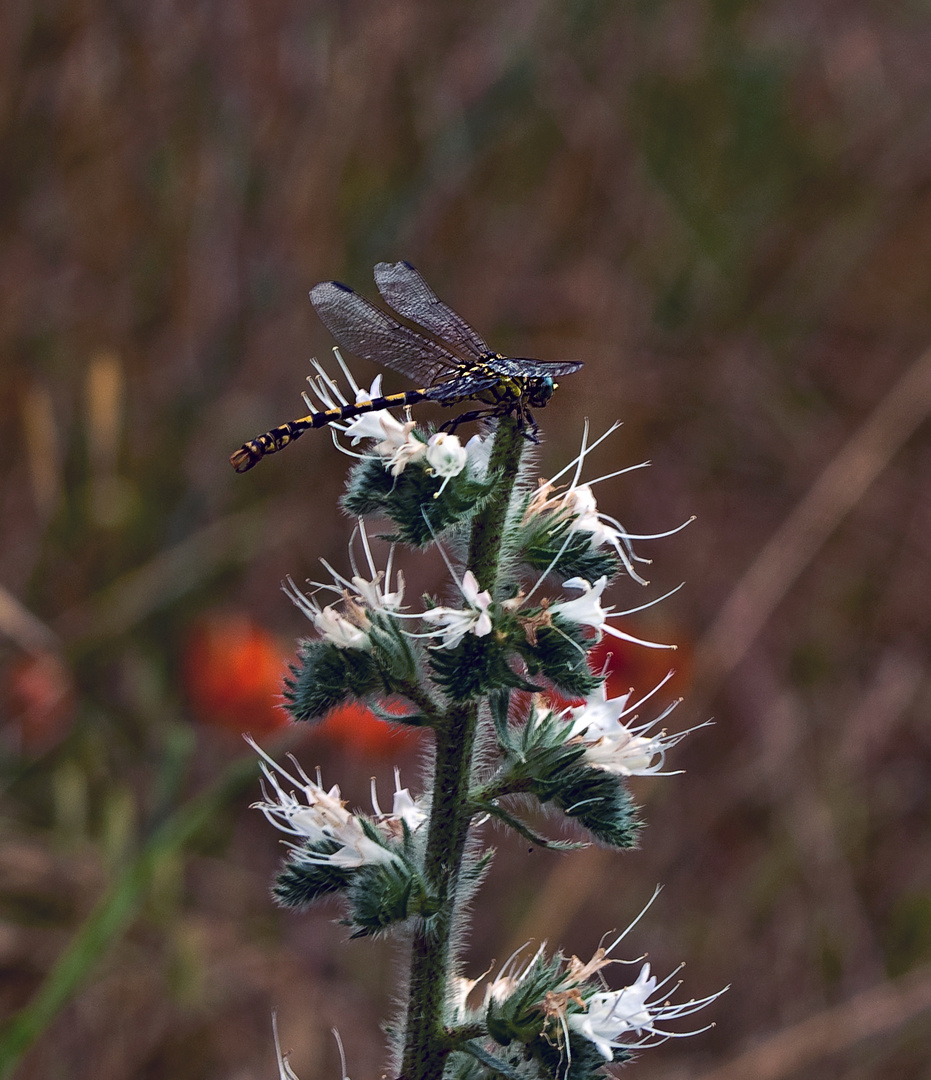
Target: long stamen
(271,761)
(327,379)
(646,908)
(647,536)
(346,371)
(648,604)
(580,460)
(619,472)
(586,451)
(621,636)
(646,697)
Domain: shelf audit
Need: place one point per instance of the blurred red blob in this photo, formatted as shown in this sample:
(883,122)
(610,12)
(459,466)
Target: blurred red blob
(356,728)
(39,702)
(630,666)
(233,671)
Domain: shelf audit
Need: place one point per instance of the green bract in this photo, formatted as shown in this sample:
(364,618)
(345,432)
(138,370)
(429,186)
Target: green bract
(413,501)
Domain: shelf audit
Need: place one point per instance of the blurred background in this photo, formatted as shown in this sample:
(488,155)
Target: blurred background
(724,209)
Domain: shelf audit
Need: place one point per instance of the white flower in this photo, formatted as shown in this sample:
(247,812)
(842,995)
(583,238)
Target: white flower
(626,1018)
(586,610)
(616,747)
(446,455)
(374,592)
(578,503)
(338,630)
(404,809)
(374,596)
(401,452)
(330,396)
(376,425)
(361,596)
(397,443)
(452,624)
(478,451)
(321,817)
(613,1014)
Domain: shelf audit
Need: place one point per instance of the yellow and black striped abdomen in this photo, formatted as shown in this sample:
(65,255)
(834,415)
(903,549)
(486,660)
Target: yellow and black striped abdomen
(252,452)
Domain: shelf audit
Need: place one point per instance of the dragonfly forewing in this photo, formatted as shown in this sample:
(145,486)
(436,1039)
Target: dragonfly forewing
(363,329)
(405,290)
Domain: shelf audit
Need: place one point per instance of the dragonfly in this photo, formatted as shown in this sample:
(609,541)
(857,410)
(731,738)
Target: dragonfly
(451,365)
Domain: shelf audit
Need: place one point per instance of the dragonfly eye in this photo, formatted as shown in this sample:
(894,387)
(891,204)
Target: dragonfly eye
(544,390)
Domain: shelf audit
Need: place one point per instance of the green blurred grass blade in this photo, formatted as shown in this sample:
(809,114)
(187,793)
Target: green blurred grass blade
(114,913)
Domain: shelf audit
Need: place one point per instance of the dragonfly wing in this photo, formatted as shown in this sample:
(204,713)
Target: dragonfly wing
(405,290)
(525,367)
(366,331)
(466,386)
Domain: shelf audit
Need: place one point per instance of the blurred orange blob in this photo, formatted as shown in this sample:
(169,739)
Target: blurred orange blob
(39,700)
(357,728)
(233,671)
(636,667)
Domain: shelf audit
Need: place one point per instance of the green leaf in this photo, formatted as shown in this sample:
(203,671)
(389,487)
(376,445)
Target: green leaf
(560,653)
(600,802)
(498,1066)
(301,883)
(475,667)
(325,676)
(413,500)
(382,894)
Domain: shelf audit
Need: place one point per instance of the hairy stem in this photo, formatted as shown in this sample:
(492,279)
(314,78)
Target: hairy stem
(488,526)
(426,1044)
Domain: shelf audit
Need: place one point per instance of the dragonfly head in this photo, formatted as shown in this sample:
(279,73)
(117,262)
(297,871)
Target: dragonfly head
(540,391)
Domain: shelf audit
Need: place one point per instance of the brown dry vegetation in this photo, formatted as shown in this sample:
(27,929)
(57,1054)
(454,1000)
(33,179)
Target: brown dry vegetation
(724,209)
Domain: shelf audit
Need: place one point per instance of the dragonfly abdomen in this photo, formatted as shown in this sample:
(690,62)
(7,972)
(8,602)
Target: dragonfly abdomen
(252,452)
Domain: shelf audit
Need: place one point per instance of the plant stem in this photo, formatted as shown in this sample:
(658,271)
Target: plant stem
(426,1045)
(488,527)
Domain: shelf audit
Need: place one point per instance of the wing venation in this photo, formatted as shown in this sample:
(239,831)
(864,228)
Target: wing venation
(405,290)
(363,329)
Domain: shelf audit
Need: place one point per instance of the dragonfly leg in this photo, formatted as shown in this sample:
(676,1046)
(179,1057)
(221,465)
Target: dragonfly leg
(467,417)
(529,426)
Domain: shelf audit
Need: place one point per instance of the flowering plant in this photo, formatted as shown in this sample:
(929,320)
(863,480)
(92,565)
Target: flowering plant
(529,568)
